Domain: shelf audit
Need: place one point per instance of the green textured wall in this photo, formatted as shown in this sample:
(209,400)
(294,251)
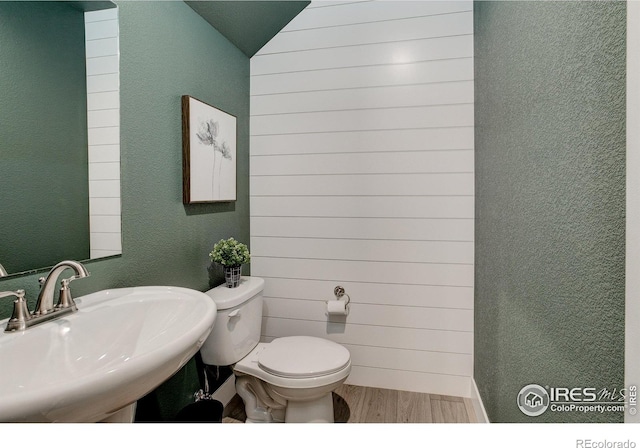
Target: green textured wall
(550,201)
(43,135)
(167,50)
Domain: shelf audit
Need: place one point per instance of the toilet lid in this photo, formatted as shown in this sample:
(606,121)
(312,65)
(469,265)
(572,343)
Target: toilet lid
(303,357)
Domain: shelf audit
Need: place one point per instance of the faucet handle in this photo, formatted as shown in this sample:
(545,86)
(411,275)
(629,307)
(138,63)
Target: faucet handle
(19,294)
(21,314)
(65,300)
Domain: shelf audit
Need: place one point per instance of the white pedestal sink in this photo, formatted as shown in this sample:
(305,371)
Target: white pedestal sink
(95,364)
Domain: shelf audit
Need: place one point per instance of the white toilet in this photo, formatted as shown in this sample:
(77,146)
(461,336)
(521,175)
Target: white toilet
(289,379)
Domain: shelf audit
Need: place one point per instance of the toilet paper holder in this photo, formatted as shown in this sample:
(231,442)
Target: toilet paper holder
(339,292)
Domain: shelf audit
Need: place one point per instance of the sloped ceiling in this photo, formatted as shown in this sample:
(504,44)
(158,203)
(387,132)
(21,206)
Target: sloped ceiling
(90,5)
(249,25)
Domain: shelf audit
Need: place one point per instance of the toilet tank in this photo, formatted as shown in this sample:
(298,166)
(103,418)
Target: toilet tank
(238,322)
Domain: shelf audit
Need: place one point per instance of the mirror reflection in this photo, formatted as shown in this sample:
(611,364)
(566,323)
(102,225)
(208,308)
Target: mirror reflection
(59,133)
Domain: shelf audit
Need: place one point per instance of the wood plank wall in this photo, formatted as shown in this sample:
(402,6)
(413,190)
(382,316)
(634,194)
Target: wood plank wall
(362,174)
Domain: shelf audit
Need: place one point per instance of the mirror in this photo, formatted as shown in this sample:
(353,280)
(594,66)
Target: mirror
(59,133)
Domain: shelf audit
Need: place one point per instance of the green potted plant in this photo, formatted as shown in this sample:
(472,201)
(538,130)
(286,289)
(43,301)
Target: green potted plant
(231,254)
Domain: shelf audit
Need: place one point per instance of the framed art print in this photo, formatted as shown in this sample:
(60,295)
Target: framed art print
(208,153)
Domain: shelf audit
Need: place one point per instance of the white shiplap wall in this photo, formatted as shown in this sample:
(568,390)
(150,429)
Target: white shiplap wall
(362,175)
(103,120)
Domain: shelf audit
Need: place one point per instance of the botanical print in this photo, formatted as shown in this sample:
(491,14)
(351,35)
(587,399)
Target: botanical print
(208,135)
(212,147)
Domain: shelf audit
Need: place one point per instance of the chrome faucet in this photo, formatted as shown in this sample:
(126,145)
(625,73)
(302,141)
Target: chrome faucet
(23,319)
(3,271)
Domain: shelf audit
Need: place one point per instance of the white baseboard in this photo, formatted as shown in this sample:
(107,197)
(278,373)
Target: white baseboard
(225,393)
(429,383)
(478,406)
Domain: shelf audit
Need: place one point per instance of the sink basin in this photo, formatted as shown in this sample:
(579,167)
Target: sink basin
(96,363)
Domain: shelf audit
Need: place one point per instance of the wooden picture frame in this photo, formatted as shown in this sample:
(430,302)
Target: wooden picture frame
(209,137)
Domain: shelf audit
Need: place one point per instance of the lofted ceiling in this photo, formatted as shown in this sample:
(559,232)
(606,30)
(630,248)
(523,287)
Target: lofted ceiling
(249,25)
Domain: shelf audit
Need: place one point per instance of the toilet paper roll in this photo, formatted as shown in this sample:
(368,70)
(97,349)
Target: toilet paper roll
(337,307)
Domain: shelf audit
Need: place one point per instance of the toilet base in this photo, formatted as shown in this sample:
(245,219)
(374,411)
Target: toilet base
(259,406)
(314,411)
(265,403)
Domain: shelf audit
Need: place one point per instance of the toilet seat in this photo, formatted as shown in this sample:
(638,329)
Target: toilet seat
(297,362)
(303,357)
